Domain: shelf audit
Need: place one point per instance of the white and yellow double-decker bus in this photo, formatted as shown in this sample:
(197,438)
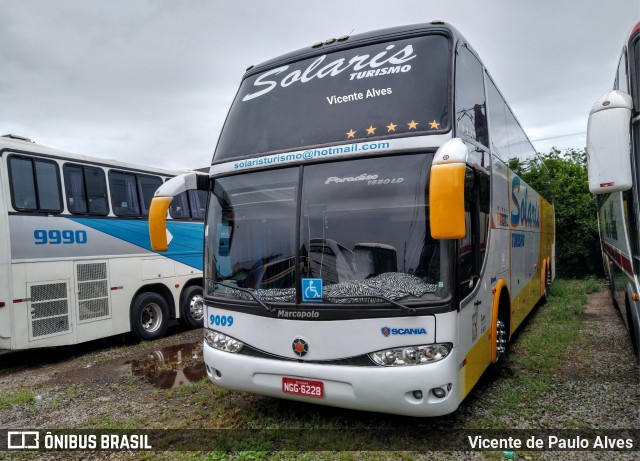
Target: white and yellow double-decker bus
(366,244)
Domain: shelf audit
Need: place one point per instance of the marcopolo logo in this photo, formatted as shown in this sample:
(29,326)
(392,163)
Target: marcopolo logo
(386,331)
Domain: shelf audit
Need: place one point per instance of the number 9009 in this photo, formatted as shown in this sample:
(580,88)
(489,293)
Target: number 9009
(221,320)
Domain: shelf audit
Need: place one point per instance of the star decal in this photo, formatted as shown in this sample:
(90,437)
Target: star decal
(434,125)
(413,125)
(351,134)
(391,127)
(371,130)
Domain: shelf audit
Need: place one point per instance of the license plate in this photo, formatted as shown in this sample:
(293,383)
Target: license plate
(304,387)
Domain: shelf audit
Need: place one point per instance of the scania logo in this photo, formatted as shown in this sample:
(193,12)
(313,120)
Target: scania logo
(386,331)
(300,347)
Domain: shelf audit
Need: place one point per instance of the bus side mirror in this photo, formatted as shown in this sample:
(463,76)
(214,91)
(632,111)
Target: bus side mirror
(446,201)
(609,144)
(158,234)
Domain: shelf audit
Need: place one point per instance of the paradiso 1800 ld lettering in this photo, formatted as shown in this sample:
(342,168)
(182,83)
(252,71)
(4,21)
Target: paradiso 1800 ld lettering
(369,67)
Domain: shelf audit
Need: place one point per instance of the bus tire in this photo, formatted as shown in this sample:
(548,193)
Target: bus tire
(547,283)
(634,329)
(192,306)
(149,316)
(502,340)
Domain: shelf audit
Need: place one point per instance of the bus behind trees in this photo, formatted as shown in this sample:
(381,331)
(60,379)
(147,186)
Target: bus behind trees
(366,244)
(613,148)
(75,258)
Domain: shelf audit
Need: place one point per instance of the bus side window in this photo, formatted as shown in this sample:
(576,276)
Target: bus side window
(472,249)
(471,102)
(189,205)
(35,184)
(179,208)
(621,75)
(86,190)
(198,203)
(484,193)
(124,194)
(467,267)
(148,186)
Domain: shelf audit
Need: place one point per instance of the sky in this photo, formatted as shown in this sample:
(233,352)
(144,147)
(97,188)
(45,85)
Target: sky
(151,81)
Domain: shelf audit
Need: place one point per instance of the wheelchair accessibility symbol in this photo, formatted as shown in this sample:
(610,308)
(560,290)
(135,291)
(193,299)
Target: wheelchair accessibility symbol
(312,290)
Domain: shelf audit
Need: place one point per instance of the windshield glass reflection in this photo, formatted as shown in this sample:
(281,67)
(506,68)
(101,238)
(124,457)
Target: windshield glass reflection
(363,232)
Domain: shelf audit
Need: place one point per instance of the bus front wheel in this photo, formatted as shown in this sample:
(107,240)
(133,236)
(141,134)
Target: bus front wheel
(192,307)
(501,341)
(149,316)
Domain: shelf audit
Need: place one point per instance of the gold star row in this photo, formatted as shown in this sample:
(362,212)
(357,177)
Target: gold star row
(391,127)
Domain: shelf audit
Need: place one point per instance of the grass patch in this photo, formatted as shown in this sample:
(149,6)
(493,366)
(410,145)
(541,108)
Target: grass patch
(19,397)
(538,353)
(542,345)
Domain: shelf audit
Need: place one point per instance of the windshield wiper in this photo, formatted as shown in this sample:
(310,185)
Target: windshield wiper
(384,298)
(250,293)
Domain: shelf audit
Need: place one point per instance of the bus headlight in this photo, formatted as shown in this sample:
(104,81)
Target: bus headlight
(411,355)
(222,342)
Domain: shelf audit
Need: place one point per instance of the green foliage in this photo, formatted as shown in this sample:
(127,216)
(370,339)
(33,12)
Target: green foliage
(562,179)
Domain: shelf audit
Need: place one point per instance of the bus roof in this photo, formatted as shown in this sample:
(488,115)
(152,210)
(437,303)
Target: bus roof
(22,144)
(345,42)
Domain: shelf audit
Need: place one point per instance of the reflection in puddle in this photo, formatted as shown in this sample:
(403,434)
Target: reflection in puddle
(171,366)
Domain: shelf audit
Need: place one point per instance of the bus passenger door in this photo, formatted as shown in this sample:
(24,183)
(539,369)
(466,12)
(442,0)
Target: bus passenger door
(474,288)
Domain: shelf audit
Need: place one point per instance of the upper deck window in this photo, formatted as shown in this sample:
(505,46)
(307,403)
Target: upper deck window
(393,88)
(471,102)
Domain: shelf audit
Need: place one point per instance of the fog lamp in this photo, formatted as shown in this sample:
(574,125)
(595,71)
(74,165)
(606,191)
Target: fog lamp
(439,392)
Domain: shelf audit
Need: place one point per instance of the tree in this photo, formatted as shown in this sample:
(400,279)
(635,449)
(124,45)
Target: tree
(562,179)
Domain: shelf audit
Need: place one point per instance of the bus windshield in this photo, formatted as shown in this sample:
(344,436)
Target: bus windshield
(391,88)
(362,228)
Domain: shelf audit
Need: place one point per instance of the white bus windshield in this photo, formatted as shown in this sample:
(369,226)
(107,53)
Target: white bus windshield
(386,89)
(363,230)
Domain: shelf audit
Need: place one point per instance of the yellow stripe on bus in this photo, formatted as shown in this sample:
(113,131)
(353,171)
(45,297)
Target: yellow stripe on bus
(475,363)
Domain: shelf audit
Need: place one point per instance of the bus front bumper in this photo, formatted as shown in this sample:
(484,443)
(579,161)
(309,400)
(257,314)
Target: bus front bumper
(405,390)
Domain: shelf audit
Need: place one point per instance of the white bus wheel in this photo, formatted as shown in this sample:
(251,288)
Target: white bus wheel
(149,316)
(192,306)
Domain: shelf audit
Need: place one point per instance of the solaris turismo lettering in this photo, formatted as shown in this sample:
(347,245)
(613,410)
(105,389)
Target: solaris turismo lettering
(356,64)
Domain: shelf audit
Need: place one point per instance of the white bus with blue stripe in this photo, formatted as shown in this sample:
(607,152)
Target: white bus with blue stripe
(76,262)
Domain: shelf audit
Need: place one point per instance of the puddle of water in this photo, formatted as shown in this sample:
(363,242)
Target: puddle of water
(172,366)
